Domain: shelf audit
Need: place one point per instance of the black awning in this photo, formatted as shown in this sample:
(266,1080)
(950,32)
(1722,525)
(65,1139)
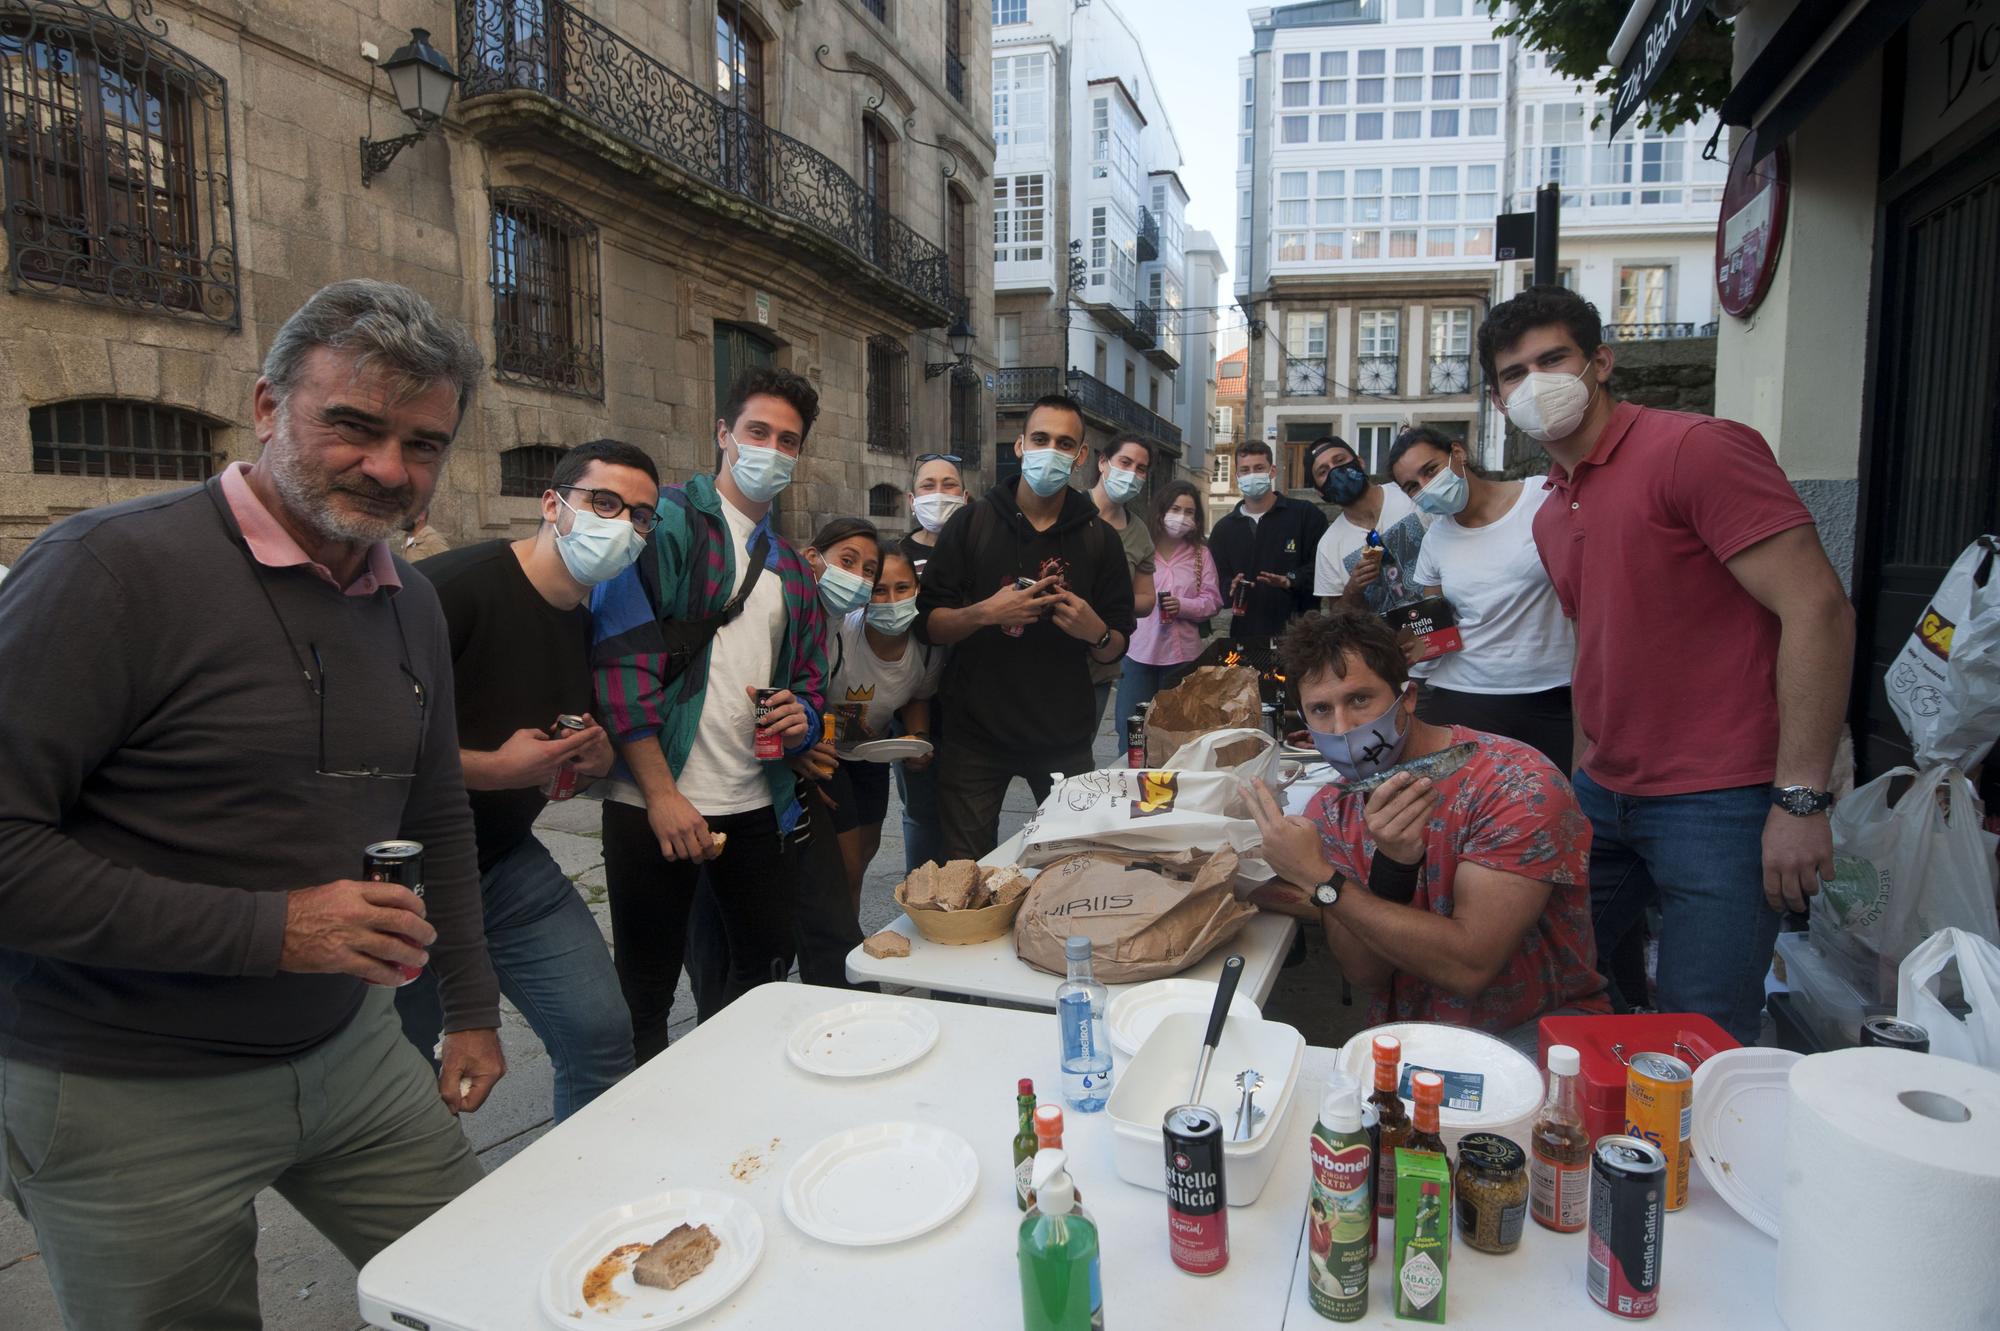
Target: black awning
(1786,52)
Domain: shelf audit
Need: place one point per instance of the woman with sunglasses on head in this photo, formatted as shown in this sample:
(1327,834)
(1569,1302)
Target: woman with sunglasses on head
(881,677)
(1187,593)
(936,493)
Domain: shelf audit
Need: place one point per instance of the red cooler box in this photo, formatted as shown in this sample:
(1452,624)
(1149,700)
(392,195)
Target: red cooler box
(1606,1044)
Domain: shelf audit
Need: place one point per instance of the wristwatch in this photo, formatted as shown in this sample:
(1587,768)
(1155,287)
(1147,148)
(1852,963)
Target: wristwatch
(1801,801)
(1102,642)
(1326,894)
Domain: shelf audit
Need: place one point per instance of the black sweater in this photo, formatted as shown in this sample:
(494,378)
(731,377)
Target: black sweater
(1284,540)
(1030,693)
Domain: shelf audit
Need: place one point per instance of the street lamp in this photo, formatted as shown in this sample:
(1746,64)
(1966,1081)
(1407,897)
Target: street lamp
(959,335)
(422,81)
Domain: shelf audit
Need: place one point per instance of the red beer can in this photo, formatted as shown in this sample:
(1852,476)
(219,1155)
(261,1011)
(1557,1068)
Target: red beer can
(402,863)
(1628,1206)
(562,784)
(769,745)
(1197,1207)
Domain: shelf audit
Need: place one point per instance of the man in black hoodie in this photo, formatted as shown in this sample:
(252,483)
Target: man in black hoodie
(1019,688)
(1266,544)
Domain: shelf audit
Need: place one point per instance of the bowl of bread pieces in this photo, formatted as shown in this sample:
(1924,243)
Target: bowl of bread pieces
(960,902)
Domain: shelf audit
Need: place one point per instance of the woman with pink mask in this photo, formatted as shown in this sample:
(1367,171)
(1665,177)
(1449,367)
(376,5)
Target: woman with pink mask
(1188,592)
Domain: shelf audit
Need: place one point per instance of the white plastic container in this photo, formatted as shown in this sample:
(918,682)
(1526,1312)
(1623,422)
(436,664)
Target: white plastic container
(1510,1086)
(1160,1074)
(1826,999)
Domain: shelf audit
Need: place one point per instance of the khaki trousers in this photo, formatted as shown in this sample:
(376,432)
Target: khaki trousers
(140,1190)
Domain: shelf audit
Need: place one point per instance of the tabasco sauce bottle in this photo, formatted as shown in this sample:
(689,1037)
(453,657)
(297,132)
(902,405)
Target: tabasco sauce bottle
(1024,1143)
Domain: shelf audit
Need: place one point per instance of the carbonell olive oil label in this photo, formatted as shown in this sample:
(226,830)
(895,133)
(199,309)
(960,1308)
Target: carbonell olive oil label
(1339,1217)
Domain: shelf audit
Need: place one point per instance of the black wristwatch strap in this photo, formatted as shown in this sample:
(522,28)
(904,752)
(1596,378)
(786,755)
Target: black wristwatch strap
(1394,881)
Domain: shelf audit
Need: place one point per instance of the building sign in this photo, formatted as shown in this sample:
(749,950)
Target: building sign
(763,309)
(1954,70)
(1667,26)
(1751,231)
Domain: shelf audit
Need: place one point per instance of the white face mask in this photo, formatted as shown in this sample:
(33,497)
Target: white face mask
(1550,405)
(1254,484)
(1122,486)
(1445,493)
(1177,524)
(842,591)
(761,473)
(893,617)
(935,509)
(595,549)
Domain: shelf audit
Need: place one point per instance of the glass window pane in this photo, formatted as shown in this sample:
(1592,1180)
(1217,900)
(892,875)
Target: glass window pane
(1448,8)
(1373,62)
(1331,184)
(1479,240)
(1405,180)
(1368,92)
(1291,246)
(1298,65)
(1444,208)
(1409,90)
(1441,242)
(1368,125)
(1444,179)
(1409,60)
(1368,181)
(1326,244)
(1333,64)
(1481,177)
(1367,245)
(1330,212)
(1444,59)
(1409,8)
(1402,244)
(1333,92)
(1332,129)
(1485,87)
(1409,124)
(1486,56)
(1295,94)
(1291,184)
(1483,121)
(1292,212)
(1444,124)
(1292,129)
(1444,87)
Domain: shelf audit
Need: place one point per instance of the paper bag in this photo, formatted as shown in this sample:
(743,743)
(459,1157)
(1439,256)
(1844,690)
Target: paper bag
(1146,918)
(1210,698)
(1157,810)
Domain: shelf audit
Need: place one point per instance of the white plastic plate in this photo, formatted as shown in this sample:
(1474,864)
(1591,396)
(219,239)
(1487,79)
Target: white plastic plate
(864,1038)
(880,1184)
(632,1305)
(1741,1098)
(1135,1012)
(888,750)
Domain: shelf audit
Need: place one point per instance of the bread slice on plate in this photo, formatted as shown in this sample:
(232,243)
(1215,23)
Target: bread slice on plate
(678,1258)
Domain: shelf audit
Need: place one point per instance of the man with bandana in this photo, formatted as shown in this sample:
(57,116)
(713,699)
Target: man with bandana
(1349,568)
(1460,895)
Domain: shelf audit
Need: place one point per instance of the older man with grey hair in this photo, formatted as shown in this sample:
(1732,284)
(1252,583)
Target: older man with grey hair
(215,698)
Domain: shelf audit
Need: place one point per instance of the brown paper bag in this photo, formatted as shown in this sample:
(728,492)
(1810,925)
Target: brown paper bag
(1147,917)
(1211,698)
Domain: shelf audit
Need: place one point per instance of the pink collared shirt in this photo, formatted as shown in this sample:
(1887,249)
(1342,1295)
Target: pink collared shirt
(273,547)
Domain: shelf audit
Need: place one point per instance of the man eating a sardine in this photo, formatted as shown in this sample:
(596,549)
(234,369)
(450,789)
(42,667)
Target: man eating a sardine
(1455,890)
(195,990)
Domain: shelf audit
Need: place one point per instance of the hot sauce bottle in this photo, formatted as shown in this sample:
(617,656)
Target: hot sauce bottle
(1427,1089)
(1559,1164)
(1394,1126)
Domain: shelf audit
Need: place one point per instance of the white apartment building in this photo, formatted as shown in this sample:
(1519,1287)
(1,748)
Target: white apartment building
(1372,158)
(1206,272)
(1089,227)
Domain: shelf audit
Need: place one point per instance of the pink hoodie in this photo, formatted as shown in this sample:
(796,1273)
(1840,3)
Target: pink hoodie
(1189,574)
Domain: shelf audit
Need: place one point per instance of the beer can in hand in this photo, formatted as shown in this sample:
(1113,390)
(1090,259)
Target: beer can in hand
(768,743)
(402,863)
(1197,1206)
(1021,584)
(1239,596)
(562,783)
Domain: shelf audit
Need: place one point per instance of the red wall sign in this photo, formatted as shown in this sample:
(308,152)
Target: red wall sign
(1752,227)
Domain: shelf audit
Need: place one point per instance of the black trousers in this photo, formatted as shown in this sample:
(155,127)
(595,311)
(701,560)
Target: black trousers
(651,898)
(972,784)
(1539,720)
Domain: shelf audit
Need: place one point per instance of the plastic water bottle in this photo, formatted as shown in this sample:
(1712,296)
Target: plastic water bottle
(1086,1051)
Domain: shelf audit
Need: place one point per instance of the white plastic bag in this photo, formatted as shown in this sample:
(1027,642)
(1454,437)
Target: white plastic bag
(1191,805)
(1945,683)
(1930,866)
(1976,1039)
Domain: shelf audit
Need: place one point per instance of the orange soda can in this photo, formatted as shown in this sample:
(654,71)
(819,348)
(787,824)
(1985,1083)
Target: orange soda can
(1659,1108)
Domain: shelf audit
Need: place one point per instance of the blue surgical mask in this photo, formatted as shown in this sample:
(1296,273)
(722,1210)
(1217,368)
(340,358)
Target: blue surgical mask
(761,473)
(1344,484)
(842,591)
(1254,484)
(1369,747)
(1444,494)
(1122,486)
(1046,469)
(893,617)
(596,549)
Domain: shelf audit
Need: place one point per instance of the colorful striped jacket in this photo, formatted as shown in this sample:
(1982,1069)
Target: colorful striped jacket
(694,561)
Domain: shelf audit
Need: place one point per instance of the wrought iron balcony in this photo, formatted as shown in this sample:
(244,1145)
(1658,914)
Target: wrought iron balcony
(1451,375)
(1145,329)
(1149,235)
(666,127)
(1022,384)
(1377,375)
(1637,332)
(1305,376)
(1167,351)
(1019,385)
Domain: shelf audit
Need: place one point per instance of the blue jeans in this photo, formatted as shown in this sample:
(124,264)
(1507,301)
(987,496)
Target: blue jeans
(923,835)
(1138,685)
(553,965)
(1703,854)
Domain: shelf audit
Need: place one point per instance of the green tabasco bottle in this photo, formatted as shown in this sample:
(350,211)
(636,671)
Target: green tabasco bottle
(1024,1144)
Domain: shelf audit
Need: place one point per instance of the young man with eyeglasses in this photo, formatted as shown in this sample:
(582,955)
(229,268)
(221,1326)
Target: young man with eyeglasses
(216,698)
(686,723)
(1264,549)
(520,650)
(1034,586)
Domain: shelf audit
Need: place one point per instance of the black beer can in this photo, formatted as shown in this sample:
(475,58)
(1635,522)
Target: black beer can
(1628,1207)
(1197,1206)
(400,862)
(1135,740)
(1888,1033)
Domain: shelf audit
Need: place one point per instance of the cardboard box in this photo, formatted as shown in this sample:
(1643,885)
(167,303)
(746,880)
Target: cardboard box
(1432,621)
(1423,1235)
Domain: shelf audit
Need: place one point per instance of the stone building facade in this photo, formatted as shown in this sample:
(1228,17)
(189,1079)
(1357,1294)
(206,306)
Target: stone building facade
(627,202)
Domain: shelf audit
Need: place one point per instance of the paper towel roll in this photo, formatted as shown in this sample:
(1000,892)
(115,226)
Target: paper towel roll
(1891,1205)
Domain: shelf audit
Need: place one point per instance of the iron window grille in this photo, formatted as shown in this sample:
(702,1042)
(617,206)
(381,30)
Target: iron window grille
(954,63)
(115,438)
(1305,376)
(527,472)
(879,8)
(1377,375)
(547,321)
(888,396)
(114,146)
(1451,375)
(884,501)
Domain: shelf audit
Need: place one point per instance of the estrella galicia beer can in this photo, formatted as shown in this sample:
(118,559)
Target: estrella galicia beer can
(1628,1207)
(1197,1208)
(1135,740)
(1659,1108)
(402,863)
(562,785)
(1888,1033)
(768,744)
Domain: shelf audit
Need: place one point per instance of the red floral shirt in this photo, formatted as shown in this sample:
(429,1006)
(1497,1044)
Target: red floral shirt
(1507,809)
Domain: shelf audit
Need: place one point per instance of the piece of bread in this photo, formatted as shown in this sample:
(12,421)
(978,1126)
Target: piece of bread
(1007,883)
(720,839)
(920,888)
(958,885)
(678,1258)
(888,943)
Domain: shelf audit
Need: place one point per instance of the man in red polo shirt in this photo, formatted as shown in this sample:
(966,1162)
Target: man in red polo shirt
(1713,647)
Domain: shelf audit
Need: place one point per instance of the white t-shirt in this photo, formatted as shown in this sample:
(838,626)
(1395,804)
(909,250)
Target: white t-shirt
(722,774)
(1343,538)
(1516,639)
(860,677)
